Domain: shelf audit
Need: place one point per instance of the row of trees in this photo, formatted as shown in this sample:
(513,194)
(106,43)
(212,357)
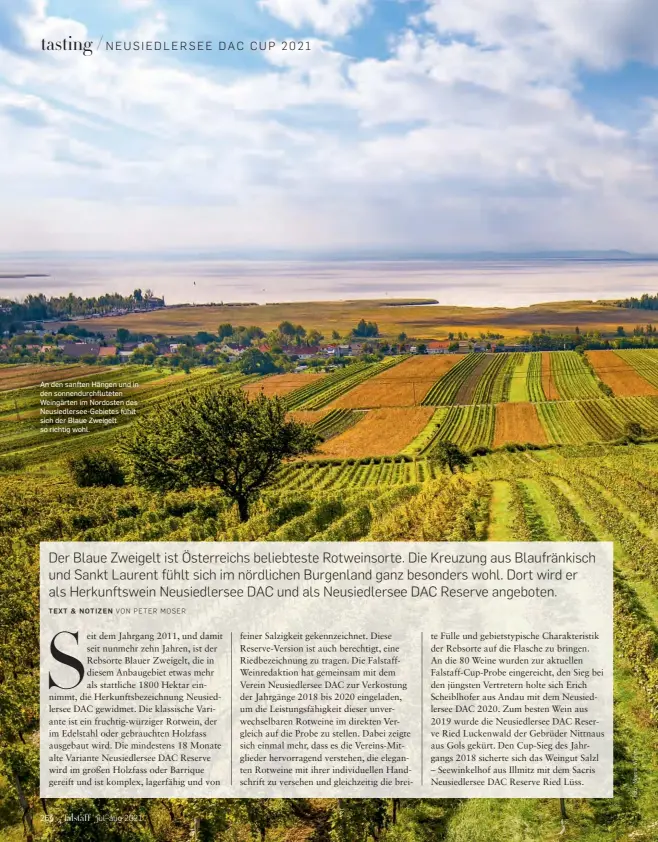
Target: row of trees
(39,308)
(644,302)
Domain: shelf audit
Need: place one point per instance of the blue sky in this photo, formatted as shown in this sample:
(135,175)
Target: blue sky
(409,124)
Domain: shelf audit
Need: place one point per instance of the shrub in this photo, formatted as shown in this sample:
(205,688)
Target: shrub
(633,430)
(481,450)
(11,463)
(96,468)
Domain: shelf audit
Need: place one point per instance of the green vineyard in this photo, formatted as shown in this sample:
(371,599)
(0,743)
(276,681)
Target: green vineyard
(578,493)
(592,478)
(325,391)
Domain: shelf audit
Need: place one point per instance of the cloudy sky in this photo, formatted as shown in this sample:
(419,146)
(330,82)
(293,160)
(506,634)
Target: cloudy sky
(442,124)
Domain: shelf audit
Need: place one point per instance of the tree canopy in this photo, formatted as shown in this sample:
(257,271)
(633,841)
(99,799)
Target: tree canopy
(215,437)
(450,455)
(254,361)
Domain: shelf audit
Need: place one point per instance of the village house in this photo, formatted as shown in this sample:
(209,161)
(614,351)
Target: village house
(438,346)
(233,350)
(302,352)
(79,349)
(338,350)
(107,351)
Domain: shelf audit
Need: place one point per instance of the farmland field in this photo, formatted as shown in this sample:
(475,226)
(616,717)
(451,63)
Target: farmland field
(308,416)
(535,377)
(360,488)
(645,363)
(405,384)
(573,380)
(20,376)
(518,422)
(447,389)
(495,383)
(321,393)
(518,389)
(619,375)
(281,384)
(382,432)
(591,493)
(466,426)
(548,385)
(428,320)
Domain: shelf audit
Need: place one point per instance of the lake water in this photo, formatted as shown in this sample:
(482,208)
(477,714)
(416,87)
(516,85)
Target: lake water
(501,282)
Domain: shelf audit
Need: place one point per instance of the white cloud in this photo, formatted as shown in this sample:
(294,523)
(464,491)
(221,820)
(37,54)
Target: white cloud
(600,33)
(445,143)
(329,17)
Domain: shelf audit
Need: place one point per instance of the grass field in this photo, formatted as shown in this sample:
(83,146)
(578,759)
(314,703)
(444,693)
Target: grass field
(518,389)
(382,432)
(405,384)
(427,321)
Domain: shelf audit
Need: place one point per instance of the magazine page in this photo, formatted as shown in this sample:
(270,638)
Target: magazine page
(328,421)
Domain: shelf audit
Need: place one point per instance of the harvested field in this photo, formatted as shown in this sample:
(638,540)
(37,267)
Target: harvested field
(20,376)
(308,416)
(468,387)
(405,384)
(518,422)
(280,384)
(622,378)
(547,378)
(383,432)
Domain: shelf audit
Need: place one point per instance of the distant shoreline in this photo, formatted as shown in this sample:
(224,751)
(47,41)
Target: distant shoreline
(22,277)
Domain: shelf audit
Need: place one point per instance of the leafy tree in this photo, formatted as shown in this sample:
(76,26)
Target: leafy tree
(633,430)
(450,455)
(402,337)
(137,295)
(96,468)
(314,337)
(366,329)
(145,355)
(253,361)
(287,329)
(335,335)
(204,337)
(421,348)
(215,437)
(225,330)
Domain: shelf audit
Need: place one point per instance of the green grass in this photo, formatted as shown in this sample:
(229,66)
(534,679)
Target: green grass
(518,390)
